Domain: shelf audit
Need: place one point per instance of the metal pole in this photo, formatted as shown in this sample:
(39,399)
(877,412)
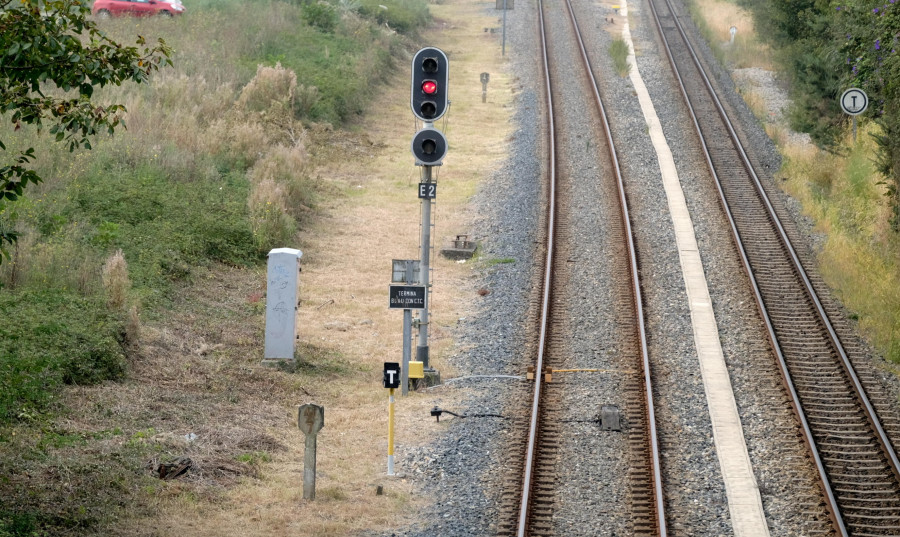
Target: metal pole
(390,470)
(422,348)
(503,48)
(854,130)
(309,468)
(407,350)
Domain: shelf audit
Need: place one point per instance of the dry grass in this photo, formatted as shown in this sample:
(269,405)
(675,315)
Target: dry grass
(198,370)
(116,281)
(843,195)
(716,19)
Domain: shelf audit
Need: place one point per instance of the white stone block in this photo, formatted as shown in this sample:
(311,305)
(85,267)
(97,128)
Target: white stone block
(282,286)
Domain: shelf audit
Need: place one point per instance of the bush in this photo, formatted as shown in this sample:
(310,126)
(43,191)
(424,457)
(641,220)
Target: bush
(320,15)
(404,16)
(50,338)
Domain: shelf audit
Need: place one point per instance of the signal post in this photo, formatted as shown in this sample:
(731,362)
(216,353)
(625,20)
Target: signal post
(429,102)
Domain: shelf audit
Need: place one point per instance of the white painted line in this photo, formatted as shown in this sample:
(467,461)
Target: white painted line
(744,502)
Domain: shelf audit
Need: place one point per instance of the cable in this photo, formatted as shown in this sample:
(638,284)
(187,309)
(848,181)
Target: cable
(436,412)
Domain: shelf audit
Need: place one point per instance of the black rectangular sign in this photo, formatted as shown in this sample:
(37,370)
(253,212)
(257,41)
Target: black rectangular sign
(407,297)
(427,191)
(391,377)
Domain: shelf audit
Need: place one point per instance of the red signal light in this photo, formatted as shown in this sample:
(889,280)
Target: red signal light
(429,87)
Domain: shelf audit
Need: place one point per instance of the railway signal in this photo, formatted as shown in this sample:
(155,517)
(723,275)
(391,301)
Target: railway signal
(430,82)
(429,146)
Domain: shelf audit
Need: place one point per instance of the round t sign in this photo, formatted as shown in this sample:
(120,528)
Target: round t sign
(854,101)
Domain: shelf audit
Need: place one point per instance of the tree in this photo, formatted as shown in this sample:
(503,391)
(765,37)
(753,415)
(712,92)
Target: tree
(52,56)
(868,40)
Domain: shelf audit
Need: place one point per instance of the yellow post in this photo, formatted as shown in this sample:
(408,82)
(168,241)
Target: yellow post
(391,433)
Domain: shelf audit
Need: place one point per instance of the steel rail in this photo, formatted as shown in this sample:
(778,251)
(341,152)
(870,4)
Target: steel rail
(525,507)
(871,415)
(635,282)
(830,500)
(524,512)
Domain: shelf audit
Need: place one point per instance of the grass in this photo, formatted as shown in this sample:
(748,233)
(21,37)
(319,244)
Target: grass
(220,156)
(861,257)
(204,175)
(618,50)
(715,18)
(50,339)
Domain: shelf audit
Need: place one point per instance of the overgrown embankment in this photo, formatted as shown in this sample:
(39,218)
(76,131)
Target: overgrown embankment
(213,170)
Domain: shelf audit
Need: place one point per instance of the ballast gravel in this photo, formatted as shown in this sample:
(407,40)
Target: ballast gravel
(462,471)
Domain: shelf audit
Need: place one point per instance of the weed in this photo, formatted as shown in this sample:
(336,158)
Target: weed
(619,51)
(116,281)
(331,493)
(254,458)
(490,262)
(320,15)
(312,360)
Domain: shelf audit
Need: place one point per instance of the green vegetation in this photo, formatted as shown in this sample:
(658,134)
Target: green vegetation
(490,262)
(213,169)
(57,339)
(49,69)
(826,47)
(849,189)
(861,257)
(618,50)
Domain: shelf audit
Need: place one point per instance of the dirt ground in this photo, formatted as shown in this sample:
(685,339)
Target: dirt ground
(197,388)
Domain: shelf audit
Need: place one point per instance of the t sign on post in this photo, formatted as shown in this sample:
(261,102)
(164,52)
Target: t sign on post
(854,102)
(391,375)
(391,382)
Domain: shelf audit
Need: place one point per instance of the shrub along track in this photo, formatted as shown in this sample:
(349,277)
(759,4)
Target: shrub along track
(858,468)
(530,500)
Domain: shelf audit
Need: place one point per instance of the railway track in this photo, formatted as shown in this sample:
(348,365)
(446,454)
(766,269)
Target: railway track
(858,469)
(530,506)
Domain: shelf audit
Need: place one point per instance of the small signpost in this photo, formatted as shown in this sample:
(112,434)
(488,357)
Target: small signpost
(485,78)
(733,32)
(310,419)
(391,381)
(408,298)
(854,102)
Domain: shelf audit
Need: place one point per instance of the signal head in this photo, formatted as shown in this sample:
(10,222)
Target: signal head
(429,146)
(430,78)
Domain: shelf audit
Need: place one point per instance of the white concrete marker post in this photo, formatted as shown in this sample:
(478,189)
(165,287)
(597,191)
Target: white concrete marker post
(310,420)
(282,285)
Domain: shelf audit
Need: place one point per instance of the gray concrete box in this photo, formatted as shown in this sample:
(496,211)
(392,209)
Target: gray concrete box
(282,292)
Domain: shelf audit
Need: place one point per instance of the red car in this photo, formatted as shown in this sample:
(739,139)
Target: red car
(138,8)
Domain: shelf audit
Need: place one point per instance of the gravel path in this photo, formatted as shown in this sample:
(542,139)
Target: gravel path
(463,470)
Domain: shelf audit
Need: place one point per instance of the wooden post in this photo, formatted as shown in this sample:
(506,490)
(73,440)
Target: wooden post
(310,419)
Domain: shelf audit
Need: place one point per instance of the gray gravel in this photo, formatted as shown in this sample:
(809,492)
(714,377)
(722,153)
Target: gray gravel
(463,470)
